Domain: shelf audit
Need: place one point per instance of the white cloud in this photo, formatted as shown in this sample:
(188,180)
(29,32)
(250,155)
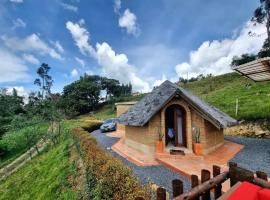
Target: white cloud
(80,61)
(58,46)
(113,65)
(12,68)
(74,73)
(81,37)
(129,21)
(16,1)
(18,23)
(30,43)
(21,91)
(160,81)
(30,58)
(116,66)
(215,56)
(117,6)
(69,7)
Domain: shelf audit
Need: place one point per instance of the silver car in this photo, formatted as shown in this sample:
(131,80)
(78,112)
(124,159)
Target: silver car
(108,125)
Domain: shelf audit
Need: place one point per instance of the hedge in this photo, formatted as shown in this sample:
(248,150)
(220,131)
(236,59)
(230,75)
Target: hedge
(107,177)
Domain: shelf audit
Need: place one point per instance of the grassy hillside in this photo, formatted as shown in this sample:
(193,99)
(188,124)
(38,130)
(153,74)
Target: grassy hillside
(54,174)
(222,92)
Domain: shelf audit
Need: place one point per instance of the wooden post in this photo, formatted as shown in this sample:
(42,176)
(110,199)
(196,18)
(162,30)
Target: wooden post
(240,174)
(177,186)
(205,176)
(218,188)
(195,183)
(161,193)
(231,175)
(236,107)
(261,175)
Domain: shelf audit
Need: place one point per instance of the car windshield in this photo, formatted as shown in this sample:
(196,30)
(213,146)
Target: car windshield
(109,121)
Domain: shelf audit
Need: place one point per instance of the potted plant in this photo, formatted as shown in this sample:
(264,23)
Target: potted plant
(159,143)
(197,146)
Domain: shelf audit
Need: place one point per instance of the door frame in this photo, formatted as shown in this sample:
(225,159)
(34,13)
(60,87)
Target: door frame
(174,107)
(183,118)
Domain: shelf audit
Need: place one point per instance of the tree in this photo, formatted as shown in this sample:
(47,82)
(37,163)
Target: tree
(245,58)
(82,95)
(44,81)
(262,15)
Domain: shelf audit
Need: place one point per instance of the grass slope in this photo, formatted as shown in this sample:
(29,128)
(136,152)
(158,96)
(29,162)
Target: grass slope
(222,92)
(47,175)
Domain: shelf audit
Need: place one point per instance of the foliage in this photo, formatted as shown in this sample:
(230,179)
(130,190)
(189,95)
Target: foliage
(245,58)
(44,81)
(196,134)
(45,177)
(192,79)
(260,16)
(108,178)
(83,95)
(10,106)
(222,92)
(16,142)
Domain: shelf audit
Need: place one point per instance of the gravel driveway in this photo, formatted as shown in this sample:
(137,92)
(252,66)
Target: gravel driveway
(255,155)
(160,175)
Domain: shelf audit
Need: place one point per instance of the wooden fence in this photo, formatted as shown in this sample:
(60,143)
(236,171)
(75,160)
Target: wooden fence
(207,185)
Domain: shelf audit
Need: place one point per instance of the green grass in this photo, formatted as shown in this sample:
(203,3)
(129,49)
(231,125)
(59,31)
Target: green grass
(45,177)
(222,92)
(16,143)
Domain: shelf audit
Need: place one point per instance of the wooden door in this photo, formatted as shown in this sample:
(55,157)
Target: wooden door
(179,127)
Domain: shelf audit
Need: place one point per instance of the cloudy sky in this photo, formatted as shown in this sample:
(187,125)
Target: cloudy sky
(143,42)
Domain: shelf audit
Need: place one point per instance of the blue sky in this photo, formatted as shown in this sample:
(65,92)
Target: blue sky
(143,42)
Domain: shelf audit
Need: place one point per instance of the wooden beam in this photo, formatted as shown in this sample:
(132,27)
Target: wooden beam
(206,186)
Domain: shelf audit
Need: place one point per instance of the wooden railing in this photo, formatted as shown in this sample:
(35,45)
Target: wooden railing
(203,190)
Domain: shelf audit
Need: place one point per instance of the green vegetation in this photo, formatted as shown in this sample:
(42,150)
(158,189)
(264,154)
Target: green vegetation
(48,176)
(45,177)
(15,143)
(222,92)
(107,177)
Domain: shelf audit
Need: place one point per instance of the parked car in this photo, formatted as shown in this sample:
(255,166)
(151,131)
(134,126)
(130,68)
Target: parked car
(108,125)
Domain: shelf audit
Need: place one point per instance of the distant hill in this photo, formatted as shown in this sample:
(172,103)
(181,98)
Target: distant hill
(222,92)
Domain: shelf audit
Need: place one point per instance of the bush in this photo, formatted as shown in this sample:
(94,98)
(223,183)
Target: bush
(107,177)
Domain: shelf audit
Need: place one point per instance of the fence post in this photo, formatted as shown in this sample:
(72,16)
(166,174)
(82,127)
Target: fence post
(205,176)
(194,183)
(218,188)
(261,175)
(177,186)
(233,181)
(161,193)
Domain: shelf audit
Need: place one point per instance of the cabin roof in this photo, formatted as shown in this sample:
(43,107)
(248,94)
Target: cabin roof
(146,108)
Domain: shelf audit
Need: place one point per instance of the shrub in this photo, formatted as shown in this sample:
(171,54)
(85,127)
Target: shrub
(107,177)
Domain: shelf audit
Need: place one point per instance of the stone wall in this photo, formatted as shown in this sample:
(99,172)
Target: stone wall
(258,128)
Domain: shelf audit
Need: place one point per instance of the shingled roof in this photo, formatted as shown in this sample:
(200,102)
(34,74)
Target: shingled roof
(146,108)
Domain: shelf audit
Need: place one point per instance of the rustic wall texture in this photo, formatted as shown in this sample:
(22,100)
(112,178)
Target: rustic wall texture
(144,138)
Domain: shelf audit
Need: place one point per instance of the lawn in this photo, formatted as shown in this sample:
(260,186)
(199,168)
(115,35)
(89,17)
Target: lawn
(222,92)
